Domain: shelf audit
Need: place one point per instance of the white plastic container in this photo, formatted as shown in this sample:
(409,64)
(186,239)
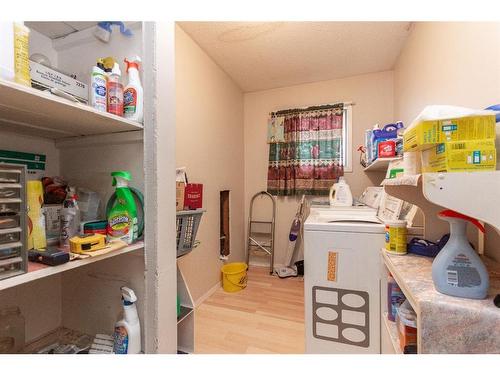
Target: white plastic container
(7,55)
(396,236)
(127,336)
(88,203)
(133,96)
(340,194)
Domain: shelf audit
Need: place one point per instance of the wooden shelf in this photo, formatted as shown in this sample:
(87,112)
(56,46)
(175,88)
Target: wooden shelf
(25,110)
(476,321)
(38,271)
(392,330)
(380,164)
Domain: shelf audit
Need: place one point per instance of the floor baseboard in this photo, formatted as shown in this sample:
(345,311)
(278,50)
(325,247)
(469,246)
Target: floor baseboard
(211,291)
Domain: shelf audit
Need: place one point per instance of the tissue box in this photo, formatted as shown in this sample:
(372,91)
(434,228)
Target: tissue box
(427,134)
(193,196)
(476,155)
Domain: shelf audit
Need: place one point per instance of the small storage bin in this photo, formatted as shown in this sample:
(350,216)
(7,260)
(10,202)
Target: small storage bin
(10,237)
(187,226)
(9,207)
(10,250)
(11,266)
(10,191)
(9,221)
(9,176)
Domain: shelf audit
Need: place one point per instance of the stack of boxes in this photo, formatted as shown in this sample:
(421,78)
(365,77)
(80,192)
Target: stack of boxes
(454,145)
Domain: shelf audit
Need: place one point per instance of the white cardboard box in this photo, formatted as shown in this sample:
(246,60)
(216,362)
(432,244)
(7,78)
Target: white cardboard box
(45,76)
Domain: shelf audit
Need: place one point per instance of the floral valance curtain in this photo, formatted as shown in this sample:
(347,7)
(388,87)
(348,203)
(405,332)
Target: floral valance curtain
(308,158)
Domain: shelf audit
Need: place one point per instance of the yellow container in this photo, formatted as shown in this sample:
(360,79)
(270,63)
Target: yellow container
(395,237)
(461,156)
(234,276)
(36,220)
(427,134)
(21,54)
(87,243)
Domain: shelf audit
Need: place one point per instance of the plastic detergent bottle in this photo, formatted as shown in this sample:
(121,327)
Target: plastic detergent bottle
(340,194)
(98,90)
(133,97)
(122,216)
(115,91)
(457,270)
(127,335)
(70,219)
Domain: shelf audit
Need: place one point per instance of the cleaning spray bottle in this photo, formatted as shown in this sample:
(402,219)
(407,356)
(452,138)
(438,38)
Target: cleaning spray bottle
(122,216)
(127,335)
(133,97)
(115,91)
(98,84)
(457,270)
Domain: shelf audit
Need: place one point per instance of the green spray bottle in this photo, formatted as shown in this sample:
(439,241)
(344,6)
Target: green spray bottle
(122,216)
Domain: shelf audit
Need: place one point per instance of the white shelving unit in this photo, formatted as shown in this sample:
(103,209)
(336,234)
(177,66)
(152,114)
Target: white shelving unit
(185,322)
(85,146)
(36,271)
(380,164)
(26,110)
(476,194)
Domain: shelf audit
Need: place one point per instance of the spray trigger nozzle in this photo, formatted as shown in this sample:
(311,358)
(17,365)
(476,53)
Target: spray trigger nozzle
(128,295)
(455,215)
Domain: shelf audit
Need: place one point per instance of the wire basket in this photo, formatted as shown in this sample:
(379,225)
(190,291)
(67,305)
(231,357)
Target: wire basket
(187,225)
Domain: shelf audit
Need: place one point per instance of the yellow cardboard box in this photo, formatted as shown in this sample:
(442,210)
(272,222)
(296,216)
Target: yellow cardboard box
(477,155)
(427,134)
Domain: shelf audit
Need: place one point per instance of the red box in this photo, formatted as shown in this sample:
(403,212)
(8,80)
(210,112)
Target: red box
(387,149)
(193,196)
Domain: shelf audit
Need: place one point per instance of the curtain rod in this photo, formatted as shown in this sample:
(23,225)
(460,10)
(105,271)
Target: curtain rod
(321,107)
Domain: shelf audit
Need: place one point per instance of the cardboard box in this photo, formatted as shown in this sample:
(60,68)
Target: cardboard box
(42,76)
(193,197)
(428,134)
(479,155)
(179,195)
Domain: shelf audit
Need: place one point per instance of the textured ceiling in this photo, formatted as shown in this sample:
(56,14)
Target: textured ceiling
(264,55)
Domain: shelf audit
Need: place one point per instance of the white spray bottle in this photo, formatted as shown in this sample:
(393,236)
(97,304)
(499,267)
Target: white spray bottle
(127,336)
(457,270)
(133,96)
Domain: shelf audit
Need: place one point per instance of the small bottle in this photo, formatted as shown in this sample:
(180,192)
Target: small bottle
(133,97)
(98,91)
(70,219)
(115,92)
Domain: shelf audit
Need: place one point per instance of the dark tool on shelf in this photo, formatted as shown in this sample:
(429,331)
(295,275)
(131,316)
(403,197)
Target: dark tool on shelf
(51,256)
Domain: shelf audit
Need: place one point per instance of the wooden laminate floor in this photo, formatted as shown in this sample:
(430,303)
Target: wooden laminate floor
(266,317)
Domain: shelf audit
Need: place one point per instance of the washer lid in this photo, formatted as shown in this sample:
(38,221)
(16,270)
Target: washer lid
(351,219)
(345,226)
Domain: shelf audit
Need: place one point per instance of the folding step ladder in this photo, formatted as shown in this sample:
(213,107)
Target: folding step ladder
(261,240)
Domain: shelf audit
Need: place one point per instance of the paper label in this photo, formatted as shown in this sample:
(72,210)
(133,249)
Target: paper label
(332,266)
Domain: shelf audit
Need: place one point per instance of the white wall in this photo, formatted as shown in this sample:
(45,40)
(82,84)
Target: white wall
(42,44)
(209,143)
(373,95)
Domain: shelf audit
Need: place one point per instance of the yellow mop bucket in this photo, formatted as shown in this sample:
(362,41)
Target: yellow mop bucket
(234,276)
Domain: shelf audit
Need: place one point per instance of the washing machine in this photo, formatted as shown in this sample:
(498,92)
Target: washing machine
(342,280)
